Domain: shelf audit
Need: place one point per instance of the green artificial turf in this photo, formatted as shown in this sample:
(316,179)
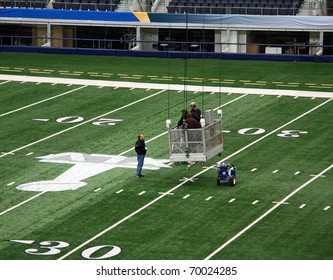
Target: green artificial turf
(142,220)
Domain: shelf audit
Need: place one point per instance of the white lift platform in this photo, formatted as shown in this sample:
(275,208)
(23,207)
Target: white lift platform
(200,144)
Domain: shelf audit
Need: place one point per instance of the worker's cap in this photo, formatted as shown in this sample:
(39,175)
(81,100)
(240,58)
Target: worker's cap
(193,104)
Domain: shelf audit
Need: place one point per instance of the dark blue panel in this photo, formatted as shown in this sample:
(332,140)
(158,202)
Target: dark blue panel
(69,15)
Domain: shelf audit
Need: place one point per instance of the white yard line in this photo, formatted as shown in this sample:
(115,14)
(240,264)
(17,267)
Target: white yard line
(127,151)
(180,87)
(266,214)
(172,190)
(163,133)
(63,131)
(82,123)
(155,86)
(42,101)
(20,204)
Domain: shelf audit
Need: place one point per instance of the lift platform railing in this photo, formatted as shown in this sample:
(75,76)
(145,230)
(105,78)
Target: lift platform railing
(200,144)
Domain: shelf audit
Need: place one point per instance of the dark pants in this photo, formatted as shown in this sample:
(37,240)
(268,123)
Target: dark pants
(140,164)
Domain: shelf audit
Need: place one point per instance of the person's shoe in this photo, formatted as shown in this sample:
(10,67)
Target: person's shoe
(141,176)
(190,164)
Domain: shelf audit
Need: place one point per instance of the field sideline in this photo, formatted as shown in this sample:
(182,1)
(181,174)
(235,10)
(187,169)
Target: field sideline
(280,140)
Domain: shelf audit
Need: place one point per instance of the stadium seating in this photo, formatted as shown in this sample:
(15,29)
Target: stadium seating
(90,5)
(39,4)
(254,7)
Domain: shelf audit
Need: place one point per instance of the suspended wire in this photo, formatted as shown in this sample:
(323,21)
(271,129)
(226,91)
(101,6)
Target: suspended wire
(220,60)
(186,55)
(203,64)
(169,73)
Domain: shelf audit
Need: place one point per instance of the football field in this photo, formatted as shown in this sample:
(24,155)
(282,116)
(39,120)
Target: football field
(68,189)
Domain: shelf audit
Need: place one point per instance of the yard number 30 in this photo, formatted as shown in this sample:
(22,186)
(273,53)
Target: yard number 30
(48,248)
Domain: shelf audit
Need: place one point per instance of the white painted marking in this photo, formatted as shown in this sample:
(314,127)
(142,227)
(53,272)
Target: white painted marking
(256,91)
(209,198)
(295,97)
(229,93)
(132,88)
(23,241)
(231,101)
(135,78)
(255,202)
(29,154)
(119,191)
(115,87)
(185,179)
(279,202)
(265,214)
(10,184)
(42,101)
(160,79)
(226,131)
(275,171)
(97,190)
(6,153)
(148,89)
(54,84)
(206,167)
(166,193)
(85,122)
(202,172)
(326,208)
(262,95)
(232,200)
(286,85)
(174,188)
(297,172)
(141,193)
(101,87)
(5,82)
(302,206)
(22,203)
(279,96)
(186,196)
(314,175)
(313,98)
(254,169)
(41,120)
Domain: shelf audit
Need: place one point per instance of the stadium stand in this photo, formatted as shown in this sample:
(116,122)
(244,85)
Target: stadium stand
(89,5)
(39,4)
(252,7)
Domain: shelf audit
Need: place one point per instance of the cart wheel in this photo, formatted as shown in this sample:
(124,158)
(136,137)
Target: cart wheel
(218,182)
(232,181)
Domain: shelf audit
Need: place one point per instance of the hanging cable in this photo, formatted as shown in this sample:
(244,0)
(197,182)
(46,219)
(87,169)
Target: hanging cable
(169,74)
(168,120)
(186,55)
(203,63)
(219,111)
(202,50)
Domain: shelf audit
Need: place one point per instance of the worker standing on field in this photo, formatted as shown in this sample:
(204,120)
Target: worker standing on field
(141,150)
